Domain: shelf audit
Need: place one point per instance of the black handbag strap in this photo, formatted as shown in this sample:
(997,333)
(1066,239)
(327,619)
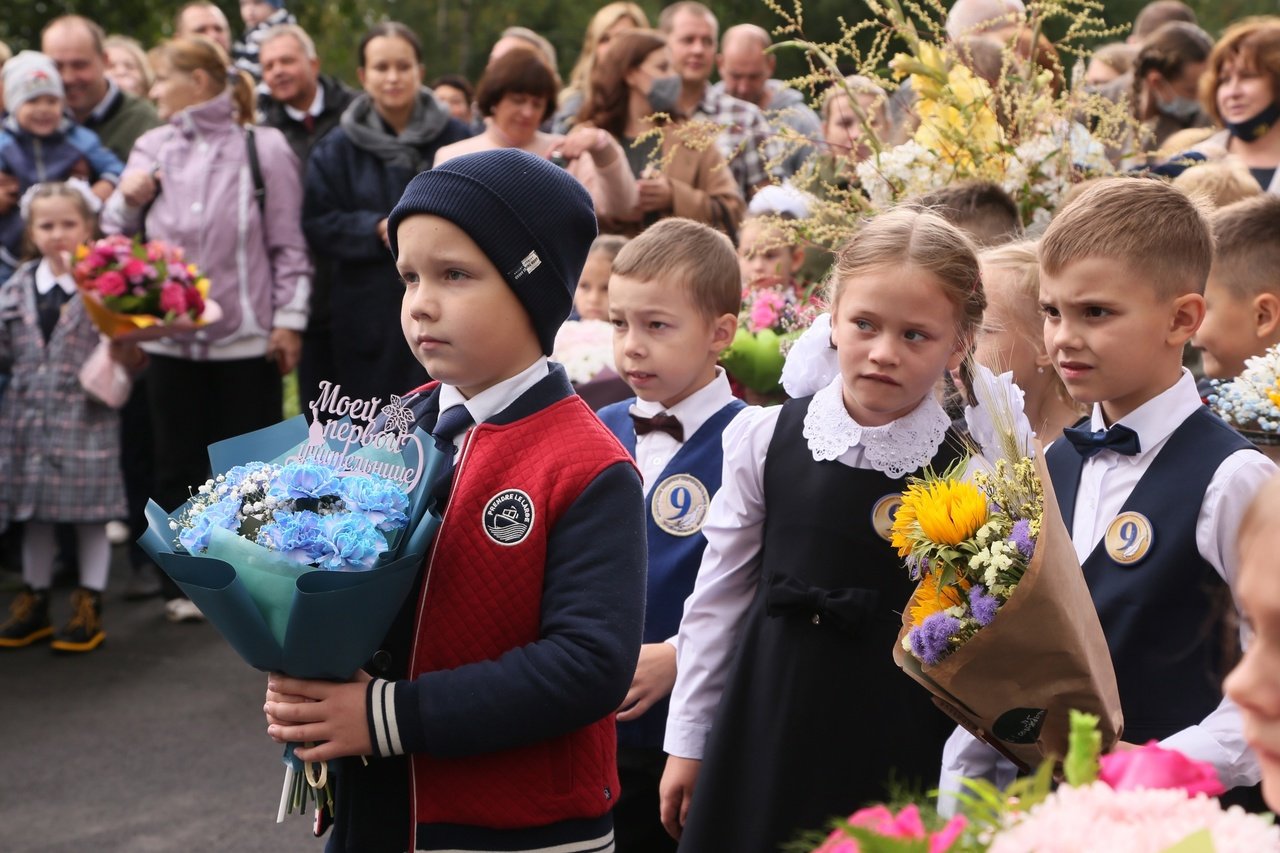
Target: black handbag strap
(259,187)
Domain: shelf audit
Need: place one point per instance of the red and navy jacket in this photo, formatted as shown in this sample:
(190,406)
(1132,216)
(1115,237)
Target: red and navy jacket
(492,715)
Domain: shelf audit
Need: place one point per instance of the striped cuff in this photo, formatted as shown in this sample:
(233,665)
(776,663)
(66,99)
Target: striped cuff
(383,730)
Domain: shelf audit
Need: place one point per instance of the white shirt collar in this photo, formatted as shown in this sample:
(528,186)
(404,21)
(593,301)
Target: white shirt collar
(696,409)
(100,109)
(895,449)
(317,106)
(494,399)
(46,280)
(1156,419)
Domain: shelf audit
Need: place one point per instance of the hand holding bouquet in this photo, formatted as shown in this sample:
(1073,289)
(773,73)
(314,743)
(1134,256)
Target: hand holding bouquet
(142,291)
(1001,628)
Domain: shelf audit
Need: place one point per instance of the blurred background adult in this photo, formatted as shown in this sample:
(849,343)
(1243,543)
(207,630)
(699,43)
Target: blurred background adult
(516,96)
(1240,91)
(77,46)
(456,94)
(1166,82)
(675,176)
(185,184)
(304,104)
(355,175)
(608,21)
(128,66)
(203,18)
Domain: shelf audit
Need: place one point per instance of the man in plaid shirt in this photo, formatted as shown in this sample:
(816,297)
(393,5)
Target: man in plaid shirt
(747,141)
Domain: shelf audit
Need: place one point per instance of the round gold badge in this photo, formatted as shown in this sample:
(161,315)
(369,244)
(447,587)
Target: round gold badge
(1129,538)
(882,515)
(679,505)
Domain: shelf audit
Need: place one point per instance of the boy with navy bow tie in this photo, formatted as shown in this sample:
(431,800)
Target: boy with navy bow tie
(1152,486)
(674,298)
(488,714)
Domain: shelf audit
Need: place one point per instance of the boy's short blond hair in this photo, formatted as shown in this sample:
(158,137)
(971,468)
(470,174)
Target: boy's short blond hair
(699,259)
(1247,234)
(1154,229)
(1218,184)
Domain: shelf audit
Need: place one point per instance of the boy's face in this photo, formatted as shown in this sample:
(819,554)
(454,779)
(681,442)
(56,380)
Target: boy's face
(664,347)
(1113,339)
(1229,333)
(1254,684)
(459,316)
(254,12)
(764,255)
(41,115)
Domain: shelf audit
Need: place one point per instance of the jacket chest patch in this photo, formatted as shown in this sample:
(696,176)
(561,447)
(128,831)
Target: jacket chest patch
(508,517)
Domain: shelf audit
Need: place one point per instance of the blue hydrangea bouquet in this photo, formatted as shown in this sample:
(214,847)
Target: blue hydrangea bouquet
(302,547)
(1251,401)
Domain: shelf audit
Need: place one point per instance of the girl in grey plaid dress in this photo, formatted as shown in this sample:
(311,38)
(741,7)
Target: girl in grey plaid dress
(59,447)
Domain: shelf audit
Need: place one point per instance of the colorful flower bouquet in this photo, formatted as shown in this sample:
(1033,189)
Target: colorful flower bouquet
(1251,401)
(585,348)
(1143,800)
(773,316)
(302,561)
(142,291)
(1001,628)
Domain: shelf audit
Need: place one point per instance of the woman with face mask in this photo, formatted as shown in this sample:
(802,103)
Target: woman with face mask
(1166,77)
(681,174)
(1241,91)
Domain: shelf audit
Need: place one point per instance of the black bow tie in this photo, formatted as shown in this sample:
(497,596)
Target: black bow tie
(1119,439)
(669,424)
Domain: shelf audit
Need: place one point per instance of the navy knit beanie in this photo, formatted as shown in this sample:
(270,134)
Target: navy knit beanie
(532,219)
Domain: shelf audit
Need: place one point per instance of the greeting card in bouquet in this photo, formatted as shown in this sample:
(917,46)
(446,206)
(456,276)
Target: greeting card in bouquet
(302,547)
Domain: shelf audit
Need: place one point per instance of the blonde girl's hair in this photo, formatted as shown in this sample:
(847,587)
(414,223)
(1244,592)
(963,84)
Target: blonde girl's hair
(190,53)
(910,235)
(601,21)
(1022,261)
(607,244)
(55,189)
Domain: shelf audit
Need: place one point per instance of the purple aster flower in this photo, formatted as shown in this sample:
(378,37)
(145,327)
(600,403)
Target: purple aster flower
(983,606)
(930,639)
(1021,538)
(917,567)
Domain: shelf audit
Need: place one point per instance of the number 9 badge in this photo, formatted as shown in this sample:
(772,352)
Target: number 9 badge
(1129,538)
(679,505)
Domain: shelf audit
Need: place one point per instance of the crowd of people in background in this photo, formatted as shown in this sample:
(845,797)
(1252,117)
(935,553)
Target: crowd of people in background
(238,144)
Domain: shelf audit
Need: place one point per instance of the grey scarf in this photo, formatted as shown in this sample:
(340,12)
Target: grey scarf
(365,128)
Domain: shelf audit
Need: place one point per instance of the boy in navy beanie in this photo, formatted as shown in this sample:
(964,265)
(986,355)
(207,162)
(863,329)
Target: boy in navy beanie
(488,712)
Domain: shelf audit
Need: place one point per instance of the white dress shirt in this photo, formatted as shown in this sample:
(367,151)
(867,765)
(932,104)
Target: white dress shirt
(1106,482)
(494,399)
(730,570)
(655,449)
(316,108)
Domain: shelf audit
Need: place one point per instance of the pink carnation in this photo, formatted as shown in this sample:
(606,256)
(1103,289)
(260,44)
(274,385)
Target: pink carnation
(1152,766)
(173,298)
(904,826)
(110,283)
(134,270)
(155,251)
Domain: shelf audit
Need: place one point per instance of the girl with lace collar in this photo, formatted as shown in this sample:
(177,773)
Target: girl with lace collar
(788,708)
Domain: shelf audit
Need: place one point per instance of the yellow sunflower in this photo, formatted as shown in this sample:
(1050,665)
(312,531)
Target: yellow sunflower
(931,598)
(950,511)
(904,529)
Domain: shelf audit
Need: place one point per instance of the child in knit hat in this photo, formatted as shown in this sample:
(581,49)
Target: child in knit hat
(489,710)
(38,144)
(259,17)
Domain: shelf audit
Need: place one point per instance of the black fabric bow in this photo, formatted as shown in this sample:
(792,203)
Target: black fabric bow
(844,608)
(669,424)
(1119,439)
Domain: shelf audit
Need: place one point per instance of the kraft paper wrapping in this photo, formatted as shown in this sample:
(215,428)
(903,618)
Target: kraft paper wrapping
(1014,682)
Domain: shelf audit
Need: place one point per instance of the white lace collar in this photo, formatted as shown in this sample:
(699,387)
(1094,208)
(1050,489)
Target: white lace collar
(895,449)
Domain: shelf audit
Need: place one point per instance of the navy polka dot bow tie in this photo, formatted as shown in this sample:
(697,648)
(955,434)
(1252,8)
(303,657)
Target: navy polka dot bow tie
(1119,439)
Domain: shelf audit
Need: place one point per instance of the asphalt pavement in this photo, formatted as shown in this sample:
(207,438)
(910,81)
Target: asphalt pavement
(154,742)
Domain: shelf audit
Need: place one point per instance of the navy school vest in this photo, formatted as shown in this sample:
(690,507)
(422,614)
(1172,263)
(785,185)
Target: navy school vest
(1163,607)
(676,506)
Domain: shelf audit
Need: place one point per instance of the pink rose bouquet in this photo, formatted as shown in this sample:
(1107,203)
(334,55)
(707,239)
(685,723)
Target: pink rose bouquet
(140,291)
(877,828)
(772,318)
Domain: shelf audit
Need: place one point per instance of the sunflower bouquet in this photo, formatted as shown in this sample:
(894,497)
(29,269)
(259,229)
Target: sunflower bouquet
(1001,628)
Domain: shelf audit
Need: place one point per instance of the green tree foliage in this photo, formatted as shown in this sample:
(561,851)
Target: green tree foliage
(457,34)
